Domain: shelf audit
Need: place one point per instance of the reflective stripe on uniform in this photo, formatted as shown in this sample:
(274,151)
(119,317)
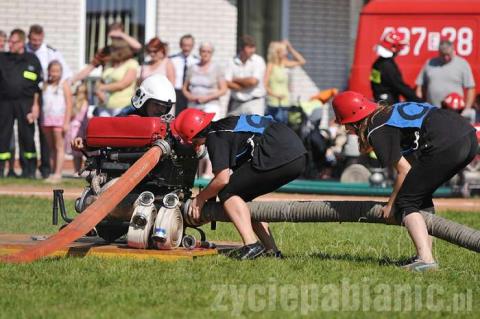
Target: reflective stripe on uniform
(376,76)
(5,156)
(30,75)
(30,155)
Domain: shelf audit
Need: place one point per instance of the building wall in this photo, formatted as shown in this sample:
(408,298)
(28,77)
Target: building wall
(207,20)
(61,20)
(320,30)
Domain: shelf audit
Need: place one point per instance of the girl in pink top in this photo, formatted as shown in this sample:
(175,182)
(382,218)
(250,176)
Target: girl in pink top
(159,61)
(56,110)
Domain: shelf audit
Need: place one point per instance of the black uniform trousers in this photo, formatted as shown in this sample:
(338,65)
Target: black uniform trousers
(11,110)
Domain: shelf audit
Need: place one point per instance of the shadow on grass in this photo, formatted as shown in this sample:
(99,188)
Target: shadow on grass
(382,261)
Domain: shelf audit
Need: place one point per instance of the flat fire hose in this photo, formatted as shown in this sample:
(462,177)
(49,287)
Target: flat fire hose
(93,214)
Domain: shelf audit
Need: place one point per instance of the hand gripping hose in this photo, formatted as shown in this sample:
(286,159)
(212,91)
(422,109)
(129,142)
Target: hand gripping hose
(94,213)
(342,211)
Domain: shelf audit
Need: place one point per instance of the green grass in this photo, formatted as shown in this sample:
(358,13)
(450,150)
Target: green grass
(322,261)
(66,182)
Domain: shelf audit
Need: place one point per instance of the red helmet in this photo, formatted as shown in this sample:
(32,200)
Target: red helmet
(189,123)
(394,41)
(351,107)
(454,101)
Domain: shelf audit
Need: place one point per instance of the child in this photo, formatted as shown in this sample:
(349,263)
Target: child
(426,145)
(78,124)
(263,156)
(56,111)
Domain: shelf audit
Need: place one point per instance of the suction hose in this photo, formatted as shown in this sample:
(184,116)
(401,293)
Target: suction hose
(95,212)
(339,211)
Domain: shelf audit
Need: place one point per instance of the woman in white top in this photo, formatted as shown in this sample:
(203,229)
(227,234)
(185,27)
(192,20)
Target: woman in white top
(159,61)
(203,87)
(205,83)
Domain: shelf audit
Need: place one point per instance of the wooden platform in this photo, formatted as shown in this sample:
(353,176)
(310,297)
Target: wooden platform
(95,246)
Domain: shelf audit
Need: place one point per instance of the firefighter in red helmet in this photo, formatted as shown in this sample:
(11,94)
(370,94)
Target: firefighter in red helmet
(385,78)
(263,155)
(426,145)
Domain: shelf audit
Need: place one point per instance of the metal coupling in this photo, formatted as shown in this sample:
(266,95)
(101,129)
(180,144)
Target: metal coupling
(164,146)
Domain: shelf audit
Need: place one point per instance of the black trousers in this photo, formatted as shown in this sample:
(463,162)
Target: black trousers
(9,111)
(429,172)
(181,103)
(44,168)
(249,183)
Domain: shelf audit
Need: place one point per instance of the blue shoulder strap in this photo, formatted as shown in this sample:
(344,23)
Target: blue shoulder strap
(409,114)
(253,123)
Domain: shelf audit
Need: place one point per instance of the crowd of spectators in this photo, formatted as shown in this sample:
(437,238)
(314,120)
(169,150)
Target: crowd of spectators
(38,89)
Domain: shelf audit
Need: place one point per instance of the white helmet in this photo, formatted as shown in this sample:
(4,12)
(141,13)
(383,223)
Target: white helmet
(156,87)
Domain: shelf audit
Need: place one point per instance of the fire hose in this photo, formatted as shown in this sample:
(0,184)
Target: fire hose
(339,211)
(95,212)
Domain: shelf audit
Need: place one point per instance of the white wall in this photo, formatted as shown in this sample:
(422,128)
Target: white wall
(61,20)
(208,20)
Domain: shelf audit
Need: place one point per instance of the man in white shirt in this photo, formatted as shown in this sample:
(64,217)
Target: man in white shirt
(244,77)
(44,52)
(182,61)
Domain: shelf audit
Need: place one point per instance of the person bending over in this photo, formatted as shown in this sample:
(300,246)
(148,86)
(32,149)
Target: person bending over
(426,145)
(263,156)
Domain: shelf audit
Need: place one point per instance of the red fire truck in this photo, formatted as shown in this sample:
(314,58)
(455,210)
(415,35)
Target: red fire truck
(423,22)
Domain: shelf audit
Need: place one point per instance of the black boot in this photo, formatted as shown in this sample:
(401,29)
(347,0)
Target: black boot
(2,168)
(29,168)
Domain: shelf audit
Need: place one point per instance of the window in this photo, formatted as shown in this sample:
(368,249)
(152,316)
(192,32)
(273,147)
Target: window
(261,19)
(102,13)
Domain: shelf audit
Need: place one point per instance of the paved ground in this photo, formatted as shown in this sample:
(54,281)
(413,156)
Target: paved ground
(455,204)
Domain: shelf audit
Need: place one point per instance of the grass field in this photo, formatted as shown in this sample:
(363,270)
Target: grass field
(330,271)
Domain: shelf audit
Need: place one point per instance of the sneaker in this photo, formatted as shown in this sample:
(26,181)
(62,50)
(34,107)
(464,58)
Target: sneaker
(421,266)
(407,261)
(272,254)
(251,251)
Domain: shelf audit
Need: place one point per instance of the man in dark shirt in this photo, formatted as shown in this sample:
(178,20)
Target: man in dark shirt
(20,74)
(385,78)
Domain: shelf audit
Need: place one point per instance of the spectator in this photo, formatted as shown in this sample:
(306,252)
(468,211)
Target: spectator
(203,87)
(385,78)
(276,78)
(181,62)
(45,54)
(159,61)
(245,75)
(78,124)
(445,74)
(56,113)
(3,40)
(116,31)
(20,74)
(11,161)
(101,58)
(118,80)
(204,83)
